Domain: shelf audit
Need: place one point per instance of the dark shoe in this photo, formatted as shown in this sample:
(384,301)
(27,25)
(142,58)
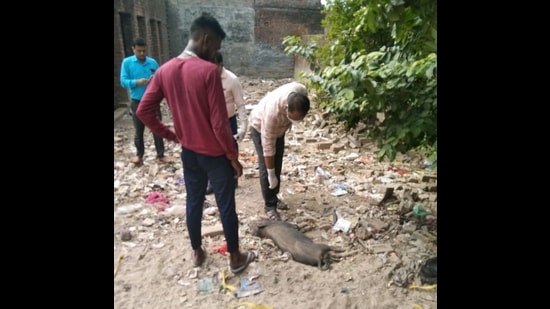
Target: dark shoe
(199,256)
(273,215)
(250,257)
(164,159)
(282,205)
(137,161)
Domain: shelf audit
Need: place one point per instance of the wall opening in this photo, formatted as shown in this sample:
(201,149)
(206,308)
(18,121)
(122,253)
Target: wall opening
(159,33)
(126,30)
(154,39)
(142,31)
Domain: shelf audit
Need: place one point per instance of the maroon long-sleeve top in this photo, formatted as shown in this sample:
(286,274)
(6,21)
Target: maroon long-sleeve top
(193,91)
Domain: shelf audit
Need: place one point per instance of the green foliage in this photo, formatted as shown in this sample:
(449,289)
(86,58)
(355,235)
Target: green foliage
(378,56)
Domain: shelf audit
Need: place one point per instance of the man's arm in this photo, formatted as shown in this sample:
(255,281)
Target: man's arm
(218,114)
(269,162)
(148,108)
(241,110)
(269,139)
(125,80)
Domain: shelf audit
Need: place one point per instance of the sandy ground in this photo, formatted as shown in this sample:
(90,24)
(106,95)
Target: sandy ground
(378,267)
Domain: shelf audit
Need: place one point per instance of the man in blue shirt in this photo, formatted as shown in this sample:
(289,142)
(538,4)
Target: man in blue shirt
(135,73)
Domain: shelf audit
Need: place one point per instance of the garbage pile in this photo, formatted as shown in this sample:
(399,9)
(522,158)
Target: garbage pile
(340,194)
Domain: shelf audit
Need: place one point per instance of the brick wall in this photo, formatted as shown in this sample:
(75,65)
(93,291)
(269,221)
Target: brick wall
(133,18)
(255,30)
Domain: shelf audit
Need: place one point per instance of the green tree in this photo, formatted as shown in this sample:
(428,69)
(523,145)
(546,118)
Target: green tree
(378,56)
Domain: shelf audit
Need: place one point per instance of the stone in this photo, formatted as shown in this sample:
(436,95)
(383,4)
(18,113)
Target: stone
(125,235)
(212,231)
(324,145)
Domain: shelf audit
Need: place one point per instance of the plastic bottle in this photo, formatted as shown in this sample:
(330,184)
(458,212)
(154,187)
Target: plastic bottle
(322,173)
(205,285)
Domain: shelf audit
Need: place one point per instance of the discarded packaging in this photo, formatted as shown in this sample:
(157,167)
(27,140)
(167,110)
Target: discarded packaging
(247,288)
(342,225)
(322,173)
(205,285)
(338,192)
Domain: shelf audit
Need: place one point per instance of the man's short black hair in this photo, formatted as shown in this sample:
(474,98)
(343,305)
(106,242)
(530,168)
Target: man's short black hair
(206,22)
(298,102)
(139,42)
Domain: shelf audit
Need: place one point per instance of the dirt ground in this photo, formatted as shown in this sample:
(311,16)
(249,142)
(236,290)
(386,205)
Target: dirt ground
(383,217)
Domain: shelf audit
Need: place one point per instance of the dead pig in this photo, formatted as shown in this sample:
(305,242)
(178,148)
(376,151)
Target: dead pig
(289,239)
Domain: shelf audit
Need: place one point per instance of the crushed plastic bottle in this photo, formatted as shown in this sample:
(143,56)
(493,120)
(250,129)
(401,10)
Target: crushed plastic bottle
(322,173)
(293,157)
(428,164)
(205,285)
(419,212)
(247,288)
(339,189)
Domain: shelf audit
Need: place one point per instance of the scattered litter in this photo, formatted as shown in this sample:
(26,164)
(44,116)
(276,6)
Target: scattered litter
(119,258)
(221,249)
(155,197)
(158,246)
(193,274)
(419,212)
(352,156)
(321,173)
(423,287)
(205,285)
(184,282)
(355,185)
(340,190)
(247,288)
(342,225)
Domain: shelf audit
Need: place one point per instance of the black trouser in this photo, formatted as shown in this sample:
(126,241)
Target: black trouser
(269,195)
(197,170)
(233,124)
(139,129)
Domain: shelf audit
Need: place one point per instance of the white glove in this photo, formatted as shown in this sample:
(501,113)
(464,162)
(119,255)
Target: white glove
(239,136)
(273,182)
(241,132)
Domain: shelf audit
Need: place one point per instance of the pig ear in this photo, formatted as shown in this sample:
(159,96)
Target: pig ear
(259,224)
(263,223)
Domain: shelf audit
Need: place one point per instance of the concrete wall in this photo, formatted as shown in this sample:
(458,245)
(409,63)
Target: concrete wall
(236,18)
(255,31)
